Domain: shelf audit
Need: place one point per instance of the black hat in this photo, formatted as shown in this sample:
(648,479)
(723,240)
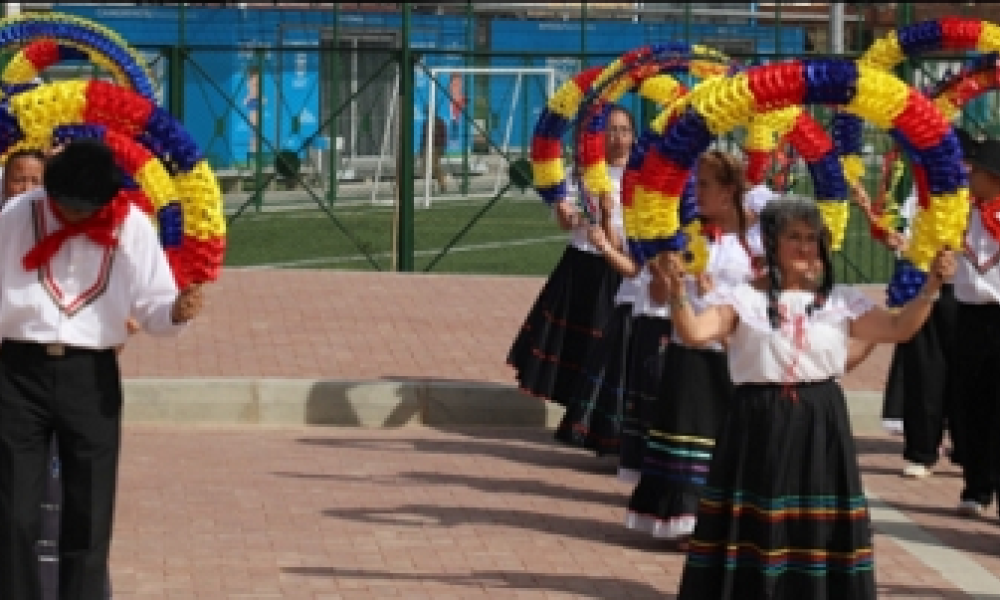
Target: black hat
(982,153)
(83,175)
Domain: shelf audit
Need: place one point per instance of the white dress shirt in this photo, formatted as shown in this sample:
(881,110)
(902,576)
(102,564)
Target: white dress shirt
(977,277)
(86,293)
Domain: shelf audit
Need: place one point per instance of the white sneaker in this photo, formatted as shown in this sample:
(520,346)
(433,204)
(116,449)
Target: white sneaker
(970,508)
(916,471)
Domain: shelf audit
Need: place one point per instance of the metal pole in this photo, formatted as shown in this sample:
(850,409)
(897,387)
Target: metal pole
(258,168)
(687,22)
(777,28)
(469,41)
(177,66)
(837,27)
(404,153)
(333,153)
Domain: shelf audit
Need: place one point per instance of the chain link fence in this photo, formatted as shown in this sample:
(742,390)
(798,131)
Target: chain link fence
(332,156)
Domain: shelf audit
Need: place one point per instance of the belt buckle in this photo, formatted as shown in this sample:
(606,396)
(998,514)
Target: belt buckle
(55,349)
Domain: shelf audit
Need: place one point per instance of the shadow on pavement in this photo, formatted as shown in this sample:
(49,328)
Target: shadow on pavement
(584,527)
(523,445)
(516,487)
(592,587)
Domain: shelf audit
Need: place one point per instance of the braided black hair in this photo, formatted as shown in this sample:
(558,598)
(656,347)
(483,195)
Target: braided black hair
(774,219)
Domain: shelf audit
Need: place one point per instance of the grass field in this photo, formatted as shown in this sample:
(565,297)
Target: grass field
(516,236)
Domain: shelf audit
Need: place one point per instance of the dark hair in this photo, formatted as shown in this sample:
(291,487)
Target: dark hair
(731,171)
(26,153)
(777,215)
(83,174)
(586,118)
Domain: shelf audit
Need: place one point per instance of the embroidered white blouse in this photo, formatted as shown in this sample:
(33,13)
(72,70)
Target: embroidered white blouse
(730,262)
(579,238)
(86,293)
(806,347)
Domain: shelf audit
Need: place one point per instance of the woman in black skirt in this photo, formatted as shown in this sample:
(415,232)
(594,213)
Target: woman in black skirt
(784,516)
(695,388)
(567,321)
(919,393)
(592,418)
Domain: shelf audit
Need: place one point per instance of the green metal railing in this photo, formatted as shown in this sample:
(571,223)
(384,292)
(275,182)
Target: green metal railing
(298,204)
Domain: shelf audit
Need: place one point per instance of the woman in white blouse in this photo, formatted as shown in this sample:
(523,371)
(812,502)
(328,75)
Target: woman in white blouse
(783,515)
(568,318)
(694,385)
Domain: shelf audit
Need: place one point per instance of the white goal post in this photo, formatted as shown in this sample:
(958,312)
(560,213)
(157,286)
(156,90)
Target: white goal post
(549,73)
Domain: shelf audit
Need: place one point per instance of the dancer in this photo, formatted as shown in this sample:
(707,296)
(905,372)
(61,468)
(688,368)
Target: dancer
(568,317)
(59,372)
(783,515)
(22,173)
(593,415)
(919,392)
(977,357)
(696,387)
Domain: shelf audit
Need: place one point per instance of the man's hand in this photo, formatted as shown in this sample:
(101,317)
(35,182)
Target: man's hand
(187,305)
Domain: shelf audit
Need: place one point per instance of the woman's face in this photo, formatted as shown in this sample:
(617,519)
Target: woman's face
(798,251)
(618,137)
(714,197)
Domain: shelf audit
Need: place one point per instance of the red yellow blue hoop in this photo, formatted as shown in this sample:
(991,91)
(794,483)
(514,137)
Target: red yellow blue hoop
(717,106)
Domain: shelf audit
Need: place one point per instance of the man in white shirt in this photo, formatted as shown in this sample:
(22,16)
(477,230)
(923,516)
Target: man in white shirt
(977,353)
(76,262)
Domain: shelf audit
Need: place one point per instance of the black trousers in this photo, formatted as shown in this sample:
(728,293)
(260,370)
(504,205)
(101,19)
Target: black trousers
(48,545)
(977,372)
(77,398)
(928,384)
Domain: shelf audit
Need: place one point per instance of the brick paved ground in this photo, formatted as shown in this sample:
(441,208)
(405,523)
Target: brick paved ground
(422,513)
(417,512)
(346,325)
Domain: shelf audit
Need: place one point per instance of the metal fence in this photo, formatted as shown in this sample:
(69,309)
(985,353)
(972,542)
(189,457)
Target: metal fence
(332,156)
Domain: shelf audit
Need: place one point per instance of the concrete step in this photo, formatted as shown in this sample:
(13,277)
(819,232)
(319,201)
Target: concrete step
(297,402)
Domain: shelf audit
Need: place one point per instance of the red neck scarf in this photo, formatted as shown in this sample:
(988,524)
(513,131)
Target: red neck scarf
(101,227)
(712,231)
(989,214)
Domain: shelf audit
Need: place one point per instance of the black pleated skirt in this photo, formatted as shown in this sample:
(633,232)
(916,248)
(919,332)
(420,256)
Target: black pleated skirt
(594,414)
(680,438)
(644,388)
(783,516)
(564,325)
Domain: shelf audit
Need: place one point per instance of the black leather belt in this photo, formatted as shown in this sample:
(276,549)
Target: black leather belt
(53,349)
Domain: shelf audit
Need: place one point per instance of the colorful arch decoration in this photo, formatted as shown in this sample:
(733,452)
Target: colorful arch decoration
(718,105)
(888,52)
(168,177)
(649,71)
(636,70)
(52,37)
(791,123)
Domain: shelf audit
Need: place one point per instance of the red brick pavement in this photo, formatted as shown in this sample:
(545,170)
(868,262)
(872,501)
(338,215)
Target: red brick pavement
(314,513)
(362,326)
(354,513)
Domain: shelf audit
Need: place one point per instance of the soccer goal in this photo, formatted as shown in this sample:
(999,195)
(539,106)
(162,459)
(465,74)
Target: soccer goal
(481,131)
